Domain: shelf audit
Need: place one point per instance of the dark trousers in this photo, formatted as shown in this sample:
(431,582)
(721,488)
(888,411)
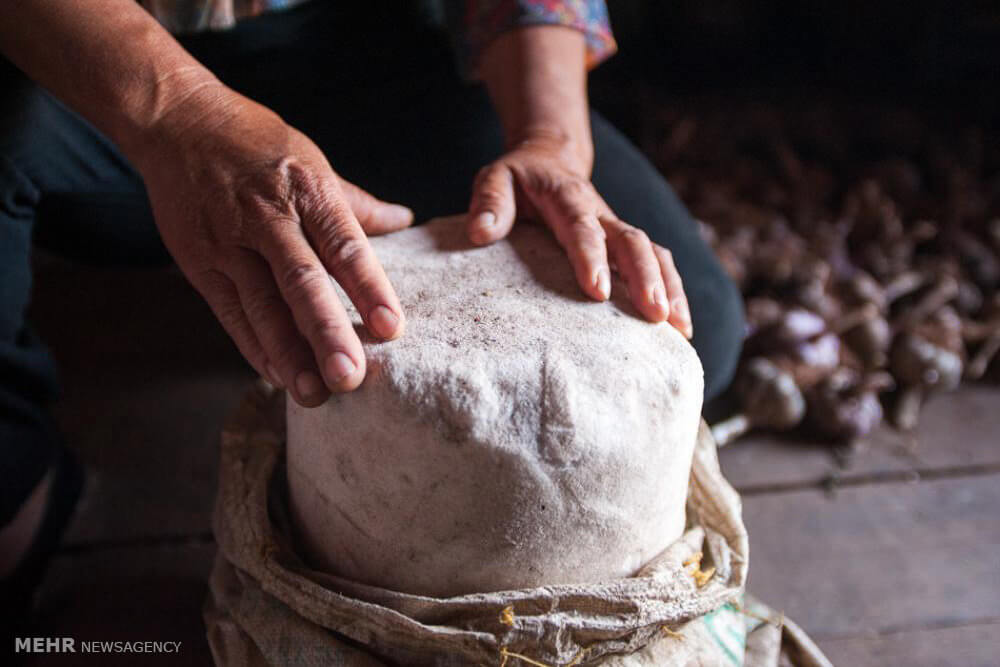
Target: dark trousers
(378,92)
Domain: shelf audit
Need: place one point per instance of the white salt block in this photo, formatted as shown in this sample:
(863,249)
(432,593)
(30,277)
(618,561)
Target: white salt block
(518,435)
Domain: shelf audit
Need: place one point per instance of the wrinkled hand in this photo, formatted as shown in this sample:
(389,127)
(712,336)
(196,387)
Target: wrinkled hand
(258,222)
(543,180)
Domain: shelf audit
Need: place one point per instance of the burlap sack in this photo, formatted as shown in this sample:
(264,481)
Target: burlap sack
(266,607)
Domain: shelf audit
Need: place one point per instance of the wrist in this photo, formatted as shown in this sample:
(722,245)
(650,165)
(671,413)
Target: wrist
(536,76)
(178,103)
(573,147)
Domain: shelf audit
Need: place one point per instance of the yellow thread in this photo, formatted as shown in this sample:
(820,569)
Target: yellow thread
(510,654)
(693,559)
(780,623)
(507,616)
(505,653)
(671,633)
(701,577)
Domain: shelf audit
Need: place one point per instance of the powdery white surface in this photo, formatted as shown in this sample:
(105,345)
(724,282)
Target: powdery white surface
(518,435)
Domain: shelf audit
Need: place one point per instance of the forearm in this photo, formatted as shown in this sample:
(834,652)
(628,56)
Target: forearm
(110,61)
(537,79)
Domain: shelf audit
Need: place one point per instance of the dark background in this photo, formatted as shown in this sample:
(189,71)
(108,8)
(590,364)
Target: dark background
(931,53)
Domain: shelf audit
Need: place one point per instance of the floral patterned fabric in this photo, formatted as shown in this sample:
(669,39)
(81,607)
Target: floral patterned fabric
(473,23)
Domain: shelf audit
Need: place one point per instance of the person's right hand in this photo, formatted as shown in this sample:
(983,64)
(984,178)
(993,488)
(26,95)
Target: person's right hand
(258,221)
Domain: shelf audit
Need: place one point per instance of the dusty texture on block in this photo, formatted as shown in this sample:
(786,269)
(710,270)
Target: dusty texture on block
(518,434)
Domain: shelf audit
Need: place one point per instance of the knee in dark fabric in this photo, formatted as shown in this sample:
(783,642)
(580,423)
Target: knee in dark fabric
(17,198)
(718,330)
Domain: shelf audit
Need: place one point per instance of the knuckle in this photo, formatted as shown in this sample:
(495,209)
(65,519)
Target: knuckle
(217,290)
(230,315)
(574,188)
(260,305)
(344,252)
(262,231)
(585,230)
(302,278)
(208,281)
(635,236)
(580,222)
(489,198)
(326,329)
(484,174)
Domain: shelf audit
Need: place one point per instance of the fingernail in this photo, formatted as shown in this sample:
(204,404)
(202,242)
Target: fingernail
(384,321)
(679,306)
(659,297)
(484,220)
(339,366)
(479,230)
(308,384)
(603,283)
(401,215)
(272,376)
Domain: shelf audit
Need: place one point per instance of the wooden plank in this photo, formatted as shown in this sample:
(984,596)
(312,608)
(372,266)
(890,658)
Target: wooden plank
(762,460)
(149,593)
(957,430)
(969,646)
(880,558)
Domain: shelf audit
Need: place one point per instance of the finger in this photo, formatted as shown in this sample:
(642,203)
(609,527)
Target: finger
(268,314)
(375,216)
(492,209)
(346,253)
(638,264)
(318,313)
(680,311)
(222,297)
(571,213)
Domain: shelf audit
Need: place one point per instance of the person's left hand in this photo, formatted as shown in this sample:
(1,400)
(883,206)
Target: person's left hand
(542,179)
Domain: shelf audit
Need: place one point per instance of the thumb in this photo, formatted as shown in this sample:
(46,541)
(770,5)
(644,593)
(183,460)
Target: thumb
(376,216)
(492,210)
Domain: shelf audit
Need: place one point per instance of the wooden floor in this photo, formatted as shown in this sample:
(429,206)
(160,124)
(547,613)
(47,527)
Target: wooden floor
(890,557)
